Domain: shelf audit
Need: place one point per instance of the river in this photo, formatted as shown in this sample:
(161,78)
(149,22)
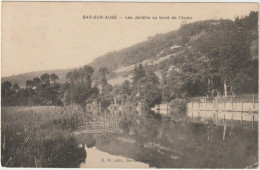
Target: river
(98,159)
(176,146)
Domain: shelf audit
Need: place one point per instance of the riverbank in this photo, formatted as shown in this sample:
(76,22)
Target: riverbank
(44,137)
(39,137)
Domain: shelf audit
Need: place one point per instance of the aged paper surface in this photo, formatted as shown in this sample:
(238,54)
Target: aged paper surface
(129,85)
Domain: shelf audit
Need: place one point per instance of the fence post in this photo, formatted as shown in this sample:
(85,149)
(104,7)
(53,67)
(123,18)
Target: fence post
(232,101)
(241,112)
(253,103)
(192,110)
(232,117)
(252,119)
(167,108)
(224,118)
(199,103)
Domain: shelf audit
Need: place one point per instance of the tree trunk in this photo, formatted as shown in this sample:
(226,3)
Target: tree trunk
(209,84)
(225,88)
(232,91)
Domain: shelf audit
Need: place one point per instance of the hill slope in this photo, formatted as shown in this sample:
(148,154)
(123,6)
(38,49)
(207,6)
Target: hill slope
(157,53)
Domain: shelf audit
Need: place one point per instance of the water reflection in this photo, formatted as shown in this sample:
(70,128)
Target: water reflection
(175,146)
(98,159)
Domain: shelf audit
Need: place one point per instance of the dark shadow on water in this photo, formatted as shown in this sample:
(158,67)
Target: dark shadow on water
(190,146)
(65,155)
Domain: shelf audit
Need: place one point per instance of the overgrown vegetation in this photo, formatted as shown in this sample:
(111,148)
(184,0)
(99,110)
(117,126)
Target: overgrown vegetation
(40,137)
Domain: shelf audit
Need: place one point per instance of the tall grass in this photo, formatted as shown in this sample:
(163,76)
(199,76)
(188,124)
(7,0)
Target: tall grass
(40,136)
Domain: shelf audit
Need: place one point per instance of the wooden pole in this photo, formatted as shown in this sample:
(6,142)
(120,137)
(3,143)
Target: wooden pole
(192,110)
(167,107)
(241,112)
(232,102)
(199,103)
(192,116)
(253,103)
(252,120)
(232,117)
(224,118)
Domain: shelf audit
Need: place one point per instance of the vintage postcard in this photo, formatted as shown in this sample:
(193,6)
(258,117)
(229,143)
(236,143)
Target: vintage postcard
(129,85)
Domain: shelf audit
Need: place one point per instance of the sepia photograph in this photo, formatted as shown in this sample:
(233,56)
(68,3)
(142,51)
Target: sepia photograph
(129,85)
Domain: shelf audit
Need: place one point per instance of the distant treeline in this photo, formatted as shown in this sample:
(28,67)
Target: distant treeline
(39,91)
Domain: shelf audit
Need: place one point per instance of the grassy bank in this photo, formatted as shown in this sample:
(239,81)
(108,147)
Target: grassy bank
(40,137)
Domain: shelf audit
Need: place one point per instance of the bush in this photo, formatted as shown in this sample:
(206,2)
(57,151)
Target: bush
(178,110)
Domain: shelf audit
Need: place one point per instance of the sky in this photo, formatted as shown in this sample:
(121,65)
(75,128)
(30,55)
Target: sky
(53,35)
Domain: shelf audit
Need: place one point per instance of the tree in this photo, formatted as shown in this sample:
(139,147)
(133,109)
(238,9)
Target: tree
(29,83)
(106,97)
(36,81)
(87,74)
(150,93)
(103,71)
(126,89)
(6,92)
(80,87)
(6,85)
(16,87)
(148,88)
(45,78)
(54,77)
(138,73)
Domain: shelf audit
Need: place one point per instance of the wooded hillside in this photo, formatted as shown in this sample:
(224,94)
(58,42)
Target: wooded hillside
(220,56)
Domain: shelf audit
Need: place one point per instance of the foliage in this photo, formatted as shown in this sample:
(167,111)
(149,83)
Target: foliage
(80,88)
(40,137)
(37,92)
(146,127)
(178,109)
(213,57)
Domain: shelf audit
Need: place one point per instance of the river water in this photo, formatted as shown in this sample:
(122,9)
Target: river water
(176,146)
(98,159)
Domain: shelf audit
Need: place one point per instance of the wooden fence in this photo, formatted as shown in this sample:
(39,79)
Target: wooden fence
(230,110)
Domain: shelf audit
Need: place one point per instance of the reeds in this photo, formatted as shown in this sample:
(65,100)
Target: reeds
(38,136)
